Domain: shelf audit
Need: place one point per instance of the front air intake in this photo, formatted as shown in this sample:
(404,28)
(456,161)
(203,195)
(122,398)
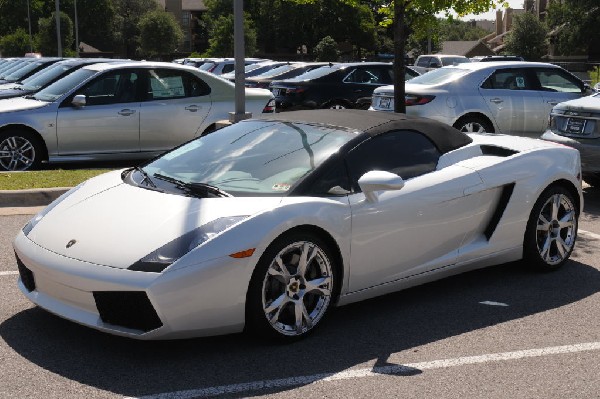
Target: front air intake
(130,309)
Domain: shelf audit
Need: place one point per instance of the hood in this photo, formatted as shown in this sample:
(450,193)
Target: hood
(589,103)
(9,93)
(116,224)
(20,104)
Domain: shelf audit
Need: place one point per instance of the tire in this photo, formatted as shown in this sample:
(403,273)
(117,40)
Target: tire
(19,150)
(286,301)
(551,230)
(474,124)
(337,105)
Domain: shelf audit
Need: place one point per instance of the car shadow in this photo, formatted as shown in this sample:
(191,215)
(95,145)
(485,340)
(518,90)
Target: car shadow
(352,335)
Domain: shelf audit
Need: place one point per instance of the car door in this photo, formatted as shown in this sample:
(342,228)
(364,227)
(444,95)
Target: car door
(556,86)
(108,122)
(514,102)
(176,104)
(415,229)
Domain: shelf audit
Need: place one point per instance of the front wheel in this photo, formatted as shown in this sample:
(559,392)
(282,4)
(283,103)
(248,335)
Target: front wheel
(551,230)
(291,287)
(19,151)
(337,105)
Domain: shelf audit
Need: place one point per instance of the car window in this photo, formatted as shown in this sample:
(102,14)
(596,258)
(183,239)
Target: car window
(406,153)
(112,87)
(423,61)
(367,75)
(510,79)
(64,85)
(228,68)
(439,76)
(169,83)
(554,79)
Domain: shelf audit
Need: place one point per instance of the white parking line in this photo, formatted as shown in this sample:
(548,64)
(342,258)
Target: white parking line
(372,372)
(9,273)
(589,234)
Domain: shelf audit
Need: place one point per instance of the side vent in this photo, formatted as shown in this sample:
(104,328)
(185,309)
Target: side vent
(497,151)
(505,195)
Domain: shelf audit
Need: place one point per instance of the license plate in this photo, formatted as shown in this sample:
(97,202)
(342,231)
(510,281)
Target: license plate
(385,102)
(575,125)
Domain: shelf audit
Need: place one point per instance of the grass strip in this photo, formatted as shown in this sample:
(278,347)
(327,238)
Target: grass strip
(46,178)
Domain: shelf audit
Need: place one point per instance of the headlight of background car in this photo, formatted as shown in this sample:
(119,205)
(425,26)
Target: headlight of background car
(159,260)
(36,219)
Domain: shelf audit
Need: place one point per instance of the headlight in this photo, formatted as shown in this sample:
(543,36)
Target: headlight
(159,260)
(35,220)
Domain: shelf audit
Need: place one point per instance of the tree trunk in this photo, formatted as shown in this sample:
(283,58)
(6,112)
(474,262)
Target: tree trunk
(399,51)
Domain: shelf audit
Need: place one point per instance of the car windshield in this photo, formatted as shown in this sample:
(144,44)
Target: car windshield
(439,76)
(251,158)
(314,74)
(277,71)
(42,78)
(62,86)
(18,74)
(454,60)
(206,66)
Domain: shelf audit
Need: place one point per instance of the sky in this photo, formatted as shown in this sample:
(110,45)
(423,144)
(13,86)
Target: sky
(492,14)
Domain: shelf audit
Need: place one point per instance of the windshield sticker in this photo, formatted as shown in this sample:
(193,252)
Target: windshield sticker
(520,82)
(281,187)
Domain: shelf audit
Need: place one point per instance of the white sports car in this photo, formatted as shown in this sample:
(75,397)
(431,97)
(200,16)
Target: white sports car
(267,224)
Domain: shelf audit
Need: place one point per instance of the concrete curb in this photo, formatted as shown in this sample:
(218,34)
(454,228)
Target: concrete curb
(29,198)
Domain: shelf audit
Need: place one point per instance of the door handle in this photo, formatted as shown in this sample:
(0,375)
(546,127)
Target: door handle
(552,102)
(192,108)
(126,112)
(497,100)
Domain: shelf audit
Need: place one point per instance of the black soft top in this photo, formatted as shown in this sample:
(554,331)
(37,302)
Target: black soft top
(445,137)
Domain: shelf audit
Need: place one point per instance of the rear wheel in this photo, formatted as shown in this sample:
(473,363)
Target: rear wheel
(551,230)
(474,124)
(19,150)
(291,288)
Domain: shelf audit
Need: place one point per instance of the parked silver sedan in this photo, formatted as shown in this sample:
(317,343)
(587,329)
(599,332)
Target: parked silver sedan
(127,111)
(494,97)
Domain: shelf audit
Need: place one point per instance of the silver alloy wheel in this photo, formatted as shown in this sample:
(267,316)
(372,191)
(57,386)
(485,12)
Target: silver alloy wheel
(297,287)
(337,106)
(16,153)
(556,229)
(473,127)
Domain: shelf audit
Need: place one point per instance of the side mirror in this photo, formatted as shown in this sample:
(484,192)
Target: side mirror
(79,100)
(379,181)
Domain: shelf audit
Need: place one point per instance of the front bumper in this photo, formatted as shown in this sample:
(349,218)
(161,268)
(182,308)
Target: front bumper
(589,150)
(134,304)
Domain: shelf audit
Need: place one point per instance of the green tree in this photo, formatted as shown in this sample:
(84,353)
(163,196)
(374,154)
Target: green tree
(527,37)
(160,33)
(575,25)
(126,24)
(15,44)
(326,50)
(13,15)
(47,35)
(221,41)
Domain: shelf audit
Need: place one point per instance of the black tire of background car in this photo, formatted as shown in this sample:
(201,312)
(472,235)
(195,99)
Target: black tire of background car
(337,105)
(531,253)
(465,120)
(257,323)
(24,138)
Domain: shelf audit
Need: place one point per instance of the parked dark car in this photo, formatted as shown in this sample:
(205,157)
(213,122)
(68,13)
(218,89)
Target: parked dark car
(27,69)
(286,71)
(334,86)
(255,69)
(46,76)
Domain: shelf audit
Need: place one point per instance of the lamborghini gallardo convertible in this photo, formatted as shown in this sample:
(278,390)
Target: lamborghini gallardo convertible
(268,224)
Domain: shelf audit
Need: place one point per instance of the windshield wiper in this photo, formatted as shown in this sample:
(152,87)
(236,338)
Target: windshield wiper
(145,177)
(195,189)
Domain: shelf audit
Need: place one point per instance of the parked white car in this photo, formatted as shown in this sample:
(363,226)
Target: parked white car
(494,97)
(126,111)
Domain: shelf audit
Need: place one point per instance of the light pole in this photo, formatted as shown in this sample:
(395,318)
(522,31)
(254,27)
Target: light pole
(238,53)
(58,41)
(29,21)
(76,31)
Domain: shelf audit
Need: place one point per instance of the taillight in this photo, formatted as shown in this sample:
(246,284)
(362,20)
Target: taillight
(413,99)
(270,107)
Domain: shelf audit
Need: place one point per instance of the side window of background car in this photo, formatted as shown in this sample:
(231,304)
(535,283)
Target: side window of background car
(554,79)
(509,79)
(435,63)
(365,75)
(406,153)
(111,88)
(168,84)
(423,61)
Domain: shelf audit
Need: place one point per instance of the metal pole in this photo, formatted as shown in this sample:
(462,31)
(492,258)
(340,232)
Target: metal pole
(238,52)
(76,31)
(58,41)
(29,21)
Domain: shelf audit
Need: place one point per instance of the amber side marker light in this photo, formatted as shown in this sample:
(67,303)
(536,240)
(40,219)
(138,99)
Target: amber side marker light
(243,254)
